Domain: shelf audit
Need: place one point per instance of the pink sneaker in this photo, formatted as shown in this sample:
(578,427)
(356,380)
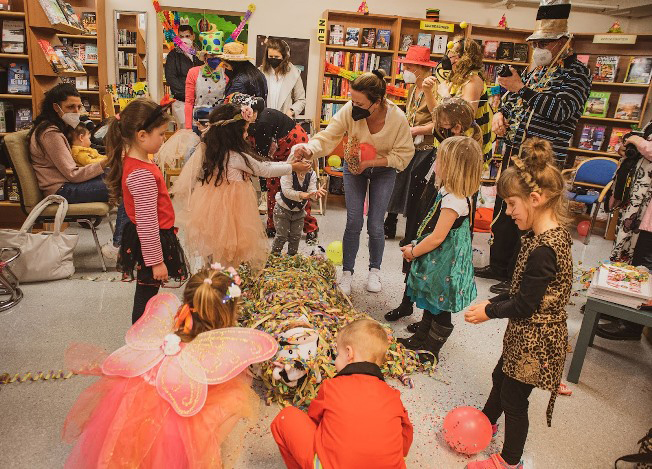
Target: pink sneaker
(494,462)
(494,430)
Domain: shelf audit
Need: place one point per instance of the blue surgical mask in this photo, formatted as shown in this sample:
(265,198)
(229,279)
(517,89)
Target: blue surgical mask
(214,62)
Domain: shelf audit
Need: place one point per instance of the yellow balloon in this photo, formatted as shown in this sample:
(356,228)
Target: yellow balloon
(334,252)
(450,45)
(463,24)
(334,161)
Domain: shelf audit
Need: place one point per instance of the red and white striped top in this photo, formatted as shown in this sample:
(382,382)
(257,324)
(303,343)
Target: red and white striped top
(147,204)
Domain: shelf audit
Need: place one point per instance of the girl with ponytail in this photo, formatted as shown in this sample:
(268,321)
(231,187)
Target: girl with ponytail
(150,250)
(535,343)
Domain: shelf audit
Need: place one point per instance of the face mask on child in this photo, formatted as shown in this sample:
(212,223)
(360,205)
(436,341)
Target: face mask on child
(214,62)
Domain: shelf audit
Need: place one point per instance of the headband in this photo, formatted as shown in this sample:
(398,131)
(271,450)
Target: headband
(246,113)
(525,174)
(156,113)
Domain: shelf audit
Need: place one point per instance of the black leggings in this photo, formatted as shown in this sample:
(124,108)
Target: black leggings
(143,294)
(510,396)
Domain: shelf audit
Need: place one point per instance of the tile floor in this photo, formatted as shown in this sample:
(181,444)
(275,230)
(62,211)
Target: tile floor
(610,408)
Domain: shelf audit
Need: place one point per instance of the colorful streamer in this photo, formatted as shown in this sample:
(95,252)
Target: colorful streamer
(350,75)
(234,35)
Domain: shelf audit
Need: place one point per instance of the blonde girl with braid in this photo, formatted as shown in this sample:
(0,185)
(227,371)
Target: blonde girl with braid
(534,347)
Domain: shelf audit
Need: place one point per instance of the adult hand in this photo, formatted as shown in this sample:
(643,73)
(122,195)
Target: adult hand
(499,124)
(415,130)
(301,151)
(160,272)
(511,83)
(476,314)
(290,113)
(301,166)
(429,83)
(444,89)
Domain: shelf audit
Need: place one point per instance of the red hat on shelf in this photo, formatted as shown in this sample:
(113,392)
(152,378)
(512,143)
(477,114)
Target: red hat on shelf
(418,55)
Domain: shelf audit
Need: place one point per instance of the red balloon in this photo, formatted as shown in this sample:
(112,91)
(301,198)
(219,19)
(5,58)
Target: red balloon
(583,227)
(367,152)
(467,430)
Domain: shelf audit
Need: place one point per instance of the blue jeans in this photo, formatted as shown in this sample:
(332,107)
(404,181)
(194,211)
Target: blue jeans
(380,181)
(94,190)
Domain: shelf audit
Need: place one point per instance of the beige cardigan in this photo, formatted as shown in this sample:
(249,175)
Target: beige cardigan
(292,94)
(393,142)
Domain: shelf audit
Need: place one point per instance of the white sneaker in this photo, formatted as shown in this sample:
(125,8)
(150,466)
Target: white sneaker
(345,282)
(109,251)
(373,281)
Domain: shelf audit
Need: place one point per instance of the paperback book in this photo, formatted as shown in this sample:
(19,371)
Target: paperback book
(490,49)
(639,70)
(383,37)
(592,137)
(368,37)
(89,22)
(23,118)
(439,43)
(336,36)
(616,138)
(505,51)
(13,36)
(352,37)
(18,78)
(406,41)
(521,53)
(629,106)
(424,40)
(606,67)
(598,104)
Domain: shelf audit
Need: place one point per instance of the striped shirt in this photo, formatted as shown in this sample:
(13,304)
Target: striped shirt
(148,205)
(555,101)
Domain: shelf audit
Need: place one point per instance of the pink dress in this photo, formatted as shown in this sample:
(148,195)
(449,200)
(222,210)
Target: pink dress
(162,403)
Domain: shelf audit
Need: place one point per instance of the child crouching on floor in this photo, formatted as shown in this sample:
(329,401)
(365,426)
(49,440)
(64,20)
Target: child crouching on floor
(356,420)
(82,152)
(289,211)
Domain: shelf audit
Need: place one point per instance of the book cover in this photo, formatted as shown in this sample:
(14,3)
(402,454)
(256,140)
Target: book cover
(23,118)
(490,49)
(5,5)
(383,37)
(89,22)
(620,280)
(629,106)
(598,104)
(521,53)
(385,63)
(352,37)
(424,40)
(93,82)
(336,36)
(91,53)
(51,56)
(53,11)
(606,67)
(584,58)
(406,41)
(368,37)
(6,108)
(71,63)
(18,78)
(13,36)
(69,13)
(94,110)
(81,83)
(616,138)
(592,137)
(79,51)
(639,70)
(505,51)
(439,43)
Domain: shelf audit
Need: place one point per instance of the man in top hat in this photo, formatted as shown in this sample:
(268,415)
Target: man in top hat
(546,101)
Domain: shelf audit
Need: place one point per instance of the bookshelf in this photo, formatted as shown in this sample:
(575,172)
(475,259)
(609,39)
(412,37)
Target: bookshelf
(584,45)
(131,52)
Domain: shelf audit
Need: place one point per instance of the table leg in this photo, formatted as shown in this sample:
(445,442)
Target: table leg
(588,325)
(596,323)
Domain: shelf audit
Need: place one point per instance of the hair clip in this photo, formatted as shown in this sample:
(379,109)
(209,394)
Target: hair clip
(184,316)
(208,281)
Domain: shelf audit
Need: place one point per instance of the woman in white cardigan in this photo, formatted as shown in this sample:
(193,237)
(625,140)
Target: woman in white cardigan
(285,91)
(373,120)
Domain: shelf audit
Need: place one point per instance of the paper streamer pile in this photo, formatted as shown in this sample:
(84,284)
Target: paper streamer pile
(301,291)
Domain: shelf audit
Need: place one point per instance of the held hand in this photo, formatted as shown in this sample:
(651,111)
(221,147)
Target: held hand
(160,272)
(499,124)
(476,314)
(301,166)
(513,82)
(304,195)
(443,90)
(429,83)
(407,252)
(302,152)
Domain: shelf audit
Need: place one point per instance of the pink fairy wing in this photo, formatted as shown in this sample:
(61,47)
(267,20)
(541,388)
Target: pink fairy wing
(220,355)
(186,395)
(155,323)
(130,362)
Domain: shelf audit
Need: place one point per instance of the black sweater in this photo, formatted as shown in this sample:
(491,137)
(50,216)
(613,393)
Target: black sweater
(177,65)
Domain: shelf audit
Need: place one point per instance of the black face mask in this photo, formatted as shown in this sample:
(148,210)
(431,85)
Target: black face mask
(442,134)
(229,73)
(274,62)
(358,113)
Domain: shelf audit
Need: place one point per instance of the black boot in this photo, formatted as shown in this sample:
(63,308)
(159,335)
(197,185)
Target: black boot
(416,341)
(437,337)
(412,328)
(403,310)
(620,330)
(390,225)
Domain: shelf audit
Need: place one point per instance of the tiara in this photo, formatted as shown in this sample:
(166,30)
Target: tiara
(246,113)
(525,174)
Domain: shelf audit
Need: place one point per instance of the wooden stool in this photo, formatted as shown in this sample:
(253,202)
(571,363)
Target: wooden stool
(592,311)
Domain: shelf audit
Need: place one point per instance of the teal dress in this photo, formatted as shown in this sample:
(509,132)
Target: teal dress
(442,280)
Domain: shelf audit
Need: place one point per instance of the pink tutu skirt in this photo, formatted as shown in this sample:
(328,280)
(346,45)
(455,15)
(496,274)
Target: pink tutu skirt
(221,224)
(123,422)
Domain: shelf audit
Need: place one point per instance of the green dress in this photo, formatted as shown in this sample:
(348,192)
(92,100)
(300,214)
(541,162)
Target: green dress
(442,280)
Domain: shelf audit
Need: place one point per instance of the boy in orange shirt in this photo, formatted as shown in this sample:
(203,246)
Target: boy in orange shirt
(356,420)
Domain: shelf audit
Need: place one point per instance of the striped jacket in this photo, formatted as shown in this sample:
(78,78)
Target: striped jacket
(557,101)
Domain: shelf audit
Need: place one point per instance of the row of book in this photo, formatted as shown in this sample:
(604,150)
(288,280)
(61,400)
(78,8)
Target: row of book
(328,110)
(61,58)
(126,37)
(85,52)
(628,106)
(639,69)
(126,77)
(126,59)
(359,37)
(60,12)
(335,87)
(505,50)
(593,137)
(16,118)
(360,61)
(9,189)
(13,37)
(438,42)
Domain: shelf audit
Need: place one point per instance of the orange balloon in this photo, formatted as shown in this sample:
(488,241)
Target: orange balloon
(583,228)
(367,152)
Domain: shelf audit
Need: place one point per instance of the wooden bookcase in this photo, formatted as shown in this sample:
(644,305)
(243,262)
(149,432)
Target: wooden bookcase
(129,22)
(584,45)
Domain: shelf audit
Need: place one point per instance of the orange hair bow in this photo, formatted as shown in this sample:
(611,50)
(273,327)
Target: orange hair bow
(184,316)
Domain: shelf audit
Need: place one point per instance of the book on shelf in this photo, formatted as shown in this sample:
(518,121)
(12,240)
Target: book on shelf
(5,5)
(67,58)
(629,106)
(521,52)
(606,68)
(6,112)
(89,22)
(383,38)
(23,118)
(13,36)
(79,50)
(639,70)
(491,49)
(93,82)
(128,38)
(71,16)
(505,51)
(51,56)
(70,80)
(352,37)
(592,137)
(18,78)
(335,87)
(368,37)
(94,110)
(385,63)
(439,43)
(81,83)
(597,104)
(91,53)
(616,138)
(354,61)
(328,110)
(53,11)
(406,41)
(584,58)
(336,36)
(424,39)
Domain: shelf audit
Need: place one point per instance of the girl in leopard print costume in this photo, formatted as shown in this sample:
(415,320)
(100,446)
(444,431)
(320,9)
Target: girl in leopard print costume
(534,346)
